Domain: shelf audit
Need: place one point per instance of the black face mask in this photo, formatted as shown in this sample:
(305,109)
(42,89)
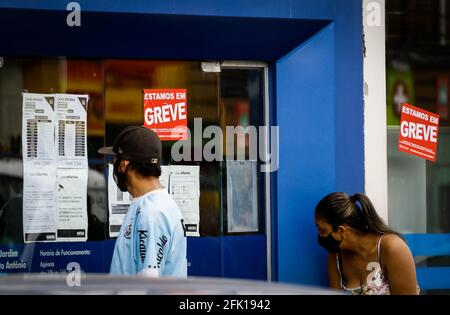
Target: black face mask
(329,243)
(120,178)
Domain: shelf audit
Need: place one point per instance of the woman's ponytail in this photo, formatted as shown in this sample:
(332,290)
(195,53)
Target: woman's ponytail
(370,218)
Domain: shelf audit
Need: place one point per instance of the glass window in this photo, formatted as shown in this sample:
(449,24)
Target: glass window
(418,71)
(232,97)
(125,81)
(242,104)
(41,75)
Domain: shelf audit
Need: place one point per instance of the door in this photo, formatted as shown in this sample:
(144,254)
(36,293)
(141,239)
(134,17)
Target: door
(241,248)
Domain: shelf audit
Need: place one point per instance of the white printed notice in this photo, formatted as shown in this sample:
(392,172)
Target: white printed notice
(182,183)
(49,212)
(242,196)
(71,116)
(39,207)
(72,220)
(39,167)
(118,203)
(184,187)
(38,129)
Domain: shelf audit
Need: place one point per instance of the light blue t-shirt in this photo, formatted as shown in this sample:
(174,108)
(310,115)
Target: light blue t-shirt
(152,236)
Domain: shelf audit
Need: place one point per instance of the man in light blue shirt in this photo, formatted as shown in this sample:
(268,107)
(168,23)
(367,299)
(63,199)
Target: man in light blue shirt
(152,238)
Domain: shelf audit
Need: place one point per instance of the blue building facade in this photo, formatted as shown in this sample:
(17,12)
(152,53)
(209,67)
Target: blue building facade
(314,53)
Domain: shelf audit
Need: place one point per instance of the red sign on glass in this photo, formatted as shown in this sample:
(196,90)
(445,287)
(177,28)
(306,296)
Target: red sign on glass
(165,112)
(418,132)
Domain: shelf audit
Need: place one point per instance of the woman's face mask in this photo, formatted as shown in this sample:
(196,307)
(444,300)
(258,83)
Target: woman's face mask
(329,243)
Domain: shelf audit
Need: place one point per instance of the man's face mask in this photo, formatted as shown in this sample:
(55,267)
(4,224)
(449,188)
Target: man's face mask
(120,178)
(329,243)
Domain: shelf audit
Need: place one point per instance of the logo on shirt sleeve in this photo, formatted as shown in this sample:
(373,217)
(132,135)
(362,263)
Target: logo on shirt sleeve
(142,249)
(160,255)
(127,232)
(162,243)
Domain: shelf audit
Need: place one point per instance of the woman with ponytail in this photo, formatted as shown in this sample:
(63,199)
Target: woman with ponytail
(366,256)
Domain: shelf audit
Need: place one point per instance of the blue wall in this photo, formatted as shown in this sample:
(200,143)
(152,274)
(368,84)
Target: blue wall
(315,52)
(306,115)
(320,112)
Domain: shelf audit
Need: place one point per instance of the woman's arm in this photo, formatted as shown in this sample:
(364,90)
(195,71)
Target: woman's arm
(398,263)
(333,273)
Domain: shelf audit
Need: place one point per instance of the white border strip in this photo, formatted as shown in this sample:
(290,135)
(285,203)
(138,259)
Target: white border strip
(375,141)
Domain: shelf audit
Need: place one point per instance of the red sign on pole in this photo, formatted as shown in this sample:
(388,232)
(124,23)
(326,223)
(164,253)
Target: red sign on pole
(418,132)
(165,112)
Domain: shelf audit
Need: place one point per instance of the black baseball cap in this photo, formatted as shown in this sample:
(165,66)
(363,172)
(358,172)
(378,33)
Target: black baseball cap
(137,144)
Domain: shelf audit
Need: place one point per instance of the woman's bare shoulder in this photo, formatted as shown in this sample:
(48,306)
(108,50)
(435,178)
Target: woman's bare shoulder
(393,245)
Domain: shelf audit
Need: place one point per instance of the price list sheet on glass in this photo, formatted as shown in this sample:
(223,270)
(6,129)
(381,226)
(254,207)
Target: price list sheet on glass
(72,171)
(39,167)
(71,116)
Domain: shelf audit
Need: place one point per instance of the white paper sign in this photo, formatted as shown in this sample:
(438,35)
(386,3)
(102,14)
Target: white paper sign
(184,187)
(38,129)
(39,176)
(39,206)
(242,196)
(72,220)
(71,116)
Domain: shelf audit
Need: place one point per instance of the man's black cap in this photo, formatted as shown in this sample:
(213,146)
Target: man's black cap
(137,144)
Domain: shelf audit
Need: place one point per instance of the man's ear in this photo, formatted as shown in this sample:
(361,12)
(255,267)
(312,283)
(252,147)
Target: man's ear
(123,165)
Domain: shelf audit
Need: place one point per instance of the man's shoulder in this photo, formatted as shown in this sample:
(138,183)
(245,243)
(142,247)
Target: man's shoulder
(149,211)
(161,206)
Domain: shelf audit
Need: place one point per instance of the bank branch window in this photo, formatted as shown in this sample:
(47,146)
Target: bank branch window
(418,73)
(58,201)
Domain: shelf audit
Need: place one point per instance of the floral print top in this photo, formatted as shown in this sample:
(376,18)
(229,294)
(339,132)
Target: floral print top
(379,284)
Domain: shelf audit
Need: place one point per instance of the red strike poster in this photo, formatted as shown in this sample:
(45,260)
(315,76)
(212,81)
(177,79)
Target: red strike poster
(418,132)
(165,112)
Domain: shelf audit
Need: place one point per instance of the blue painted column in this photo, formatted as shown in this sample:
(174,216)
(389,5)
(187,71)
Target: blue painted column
(307,171)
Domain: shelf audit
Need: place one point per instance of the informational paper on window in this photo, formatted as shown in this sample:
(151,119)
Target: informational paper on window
(184,187)
(72,220)
(39,169)
(55,167)
(38,129)
(39,207)
(71,116)
(242,197)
